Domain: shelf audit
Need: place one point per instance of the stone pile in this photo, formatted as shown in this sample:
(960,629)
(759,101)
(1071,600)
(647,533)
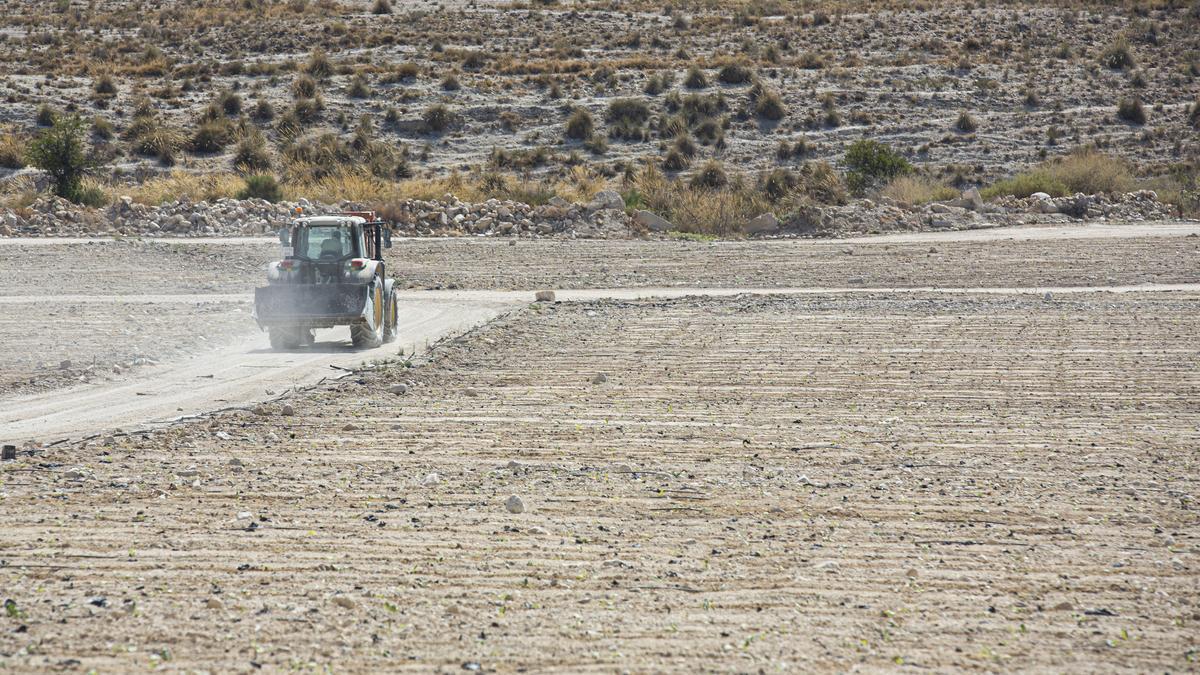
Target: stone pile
(604,217)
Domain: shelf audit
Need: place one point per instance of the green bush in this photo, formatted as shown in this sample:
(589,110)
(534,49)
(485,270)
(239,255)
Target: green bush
(871,163)
(60,152)
(261,186)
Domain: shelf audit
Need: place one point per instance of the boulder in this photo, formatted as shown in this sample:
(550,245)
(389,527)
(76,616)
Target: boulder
(652,221)
(971,199)
(606,199)
(763,224)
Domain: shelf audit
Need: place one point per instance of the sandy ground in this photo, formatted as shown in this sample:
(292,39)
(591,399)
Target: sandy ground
(777,484)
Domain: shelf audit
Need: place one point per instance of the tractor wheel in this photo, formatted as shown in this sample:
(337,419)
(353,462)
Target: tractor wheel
(391,319)
(284,338)
(362,335)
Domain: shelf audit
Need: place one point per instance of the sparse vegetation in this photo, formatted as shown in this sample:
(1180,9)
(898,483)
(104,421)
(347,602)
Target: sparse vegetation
(437,118)
(1084,170)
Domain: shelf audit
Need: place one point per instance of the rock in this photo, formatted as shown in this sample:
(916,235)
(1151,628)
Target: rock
(1040,196)
(350,427)
(763,224)
(544,296)
(244,515)
(600,378)
(606,199)
(344,601)
(287,410)
(652,221)
(64,365)
(470,392)
(214,603)
(514,504)
(971,199)
(431,478)
(398,389)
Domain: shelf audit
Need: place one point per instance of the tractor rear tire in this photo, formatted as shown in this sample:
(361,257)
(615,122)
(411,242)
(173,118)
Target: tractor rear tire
(391,318)
(283,339)
(361,334)
(364,338)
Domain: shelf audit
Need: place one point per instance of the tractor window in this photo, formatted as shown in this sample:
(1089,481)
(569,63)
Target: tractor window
(326,243)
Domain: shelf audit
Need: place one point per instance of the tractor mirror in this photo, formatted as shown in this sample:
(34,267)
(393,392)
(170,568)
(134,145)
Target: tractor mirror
(387,237)
(285,236)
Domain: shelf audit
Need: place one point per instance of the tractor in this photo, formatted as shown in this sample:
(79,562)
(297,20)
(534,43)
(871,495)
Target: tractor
(332,274)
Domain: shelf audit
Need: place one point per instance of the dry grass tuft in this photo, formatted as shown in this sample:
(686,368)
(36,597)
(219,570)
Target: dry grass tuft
(915,190)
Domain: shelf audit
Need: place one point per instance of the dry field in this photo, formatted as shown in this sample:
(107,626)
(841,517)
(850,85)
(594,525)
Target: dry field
(756,484)
(833,481)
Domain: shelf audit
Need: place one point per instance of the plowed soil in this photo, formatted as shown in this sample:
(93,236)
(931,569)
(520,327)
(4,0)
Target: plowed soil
(742,484)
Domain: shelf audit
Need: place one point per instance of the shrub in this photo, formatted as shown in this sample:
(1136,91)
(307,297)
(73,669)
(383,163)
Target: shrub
(473,61)
(382,7)
(105,86)
(304,87)
(1131,110)
(308,110)
(965,123)
(45,115)
(358,87)
(735,72)
(766,103)
(711,176)
(151,137)
(1194,115)
(250,155)
(261,186)
(580,125)
(626,118)
(1118,55)
(263,110)
(60,152)
(675,160)
(210,136)
(102,128)
(870,163)
(12,150)
(695,79)
(654,86)
(318,65)
(1025,184)
(229,102)
(450,83)
(437,118)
